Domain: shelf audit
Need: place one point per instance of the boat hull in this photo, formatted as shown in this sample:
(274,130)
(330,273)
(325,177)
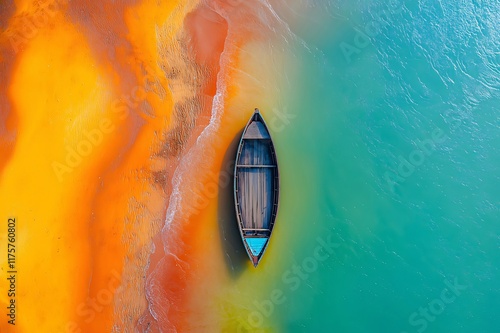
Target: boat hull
(256,187)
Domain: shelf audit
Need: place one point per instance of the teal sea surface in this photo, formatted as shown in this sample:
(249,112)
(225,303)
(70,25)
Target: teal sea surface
(390,165)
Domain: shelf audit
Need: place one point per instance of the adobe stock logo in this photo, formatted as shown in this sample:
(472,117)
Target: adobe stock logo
(92,306)
(280,119)
(372,29)
(416,158)
(74,157)
(293,278)
(425,315)
(26,27)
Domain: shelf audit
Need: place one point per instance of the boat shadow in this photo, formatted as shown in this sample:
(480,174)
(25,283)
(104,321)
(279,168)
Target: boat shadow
(232,246)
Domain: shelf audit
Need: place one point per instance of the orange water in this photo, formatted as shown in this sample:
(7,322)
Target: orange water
(102,105)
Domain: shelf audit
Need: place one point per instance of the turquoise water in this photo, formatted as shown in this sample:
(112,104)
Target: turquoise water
(395,157)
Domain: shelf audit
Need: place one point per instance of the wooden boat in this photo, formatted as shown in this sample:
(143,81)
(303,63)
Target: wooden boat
(256,187)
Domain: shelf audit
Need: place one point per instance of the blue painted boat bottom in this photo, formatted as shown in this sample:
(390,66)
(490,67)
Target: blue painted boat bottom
(256,245)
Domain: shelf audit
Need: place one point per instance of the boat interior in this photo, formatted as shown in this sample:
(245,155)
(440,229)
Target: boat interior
(257,178)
